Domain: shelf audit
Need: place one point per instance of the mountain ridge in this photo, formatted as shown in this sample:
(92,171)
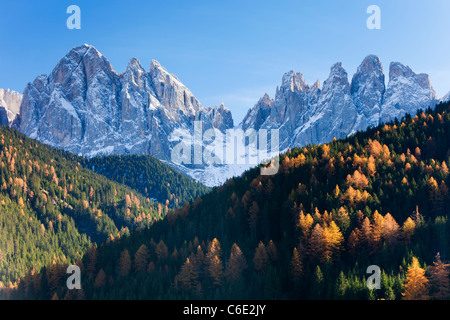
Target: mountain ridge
(86,107)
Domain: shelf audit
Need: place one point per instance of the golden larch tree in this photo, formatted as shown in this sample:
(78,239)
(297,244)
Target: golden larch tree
(296,266)
(215,270)
(408,229)
(237,263)
(416,284)
(391,230)
(377,230)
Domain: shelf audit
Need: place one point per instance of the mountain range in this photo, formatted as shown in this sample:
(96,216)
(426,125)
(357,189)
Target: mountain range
(86,107)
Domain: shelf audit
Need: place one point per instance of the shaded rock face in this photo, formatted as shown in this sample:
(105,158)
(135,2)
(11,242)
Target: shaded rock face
(85,107)
(9,106)
(406,92)
(367,90)
(308,114)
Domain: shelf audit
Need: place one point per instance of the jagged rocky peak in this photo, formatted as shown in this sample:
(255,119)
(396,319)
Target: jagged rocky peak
(266,100)
(315,86)
(171,92)
(445,98)
(338,76)
(367,89)
(406,92)
(10,101)
(256,116)
(85,61)
(86,107)
(293,81)
(221,116)
(134,66)
(370,73)
(397,69)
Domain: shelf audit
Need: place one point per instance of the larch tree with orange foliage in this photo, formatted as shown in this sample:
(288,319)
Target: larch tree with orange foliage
(260,258)
(100,279)
(214,265)
(439,280)
(141,258)
(391,230)
(296,266)
(353,241)
(416,284)
(325,242)
(237,263)
(408,229)
(377,230)
(124,263)
(305,223)
(186,279)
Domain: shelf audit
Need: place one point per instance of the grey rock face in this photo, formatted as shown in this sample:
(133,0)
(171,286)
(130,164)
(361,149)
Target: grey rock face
(85,107)
(406,92)
(10,103)
(307,114)
(3,117)
(367,89)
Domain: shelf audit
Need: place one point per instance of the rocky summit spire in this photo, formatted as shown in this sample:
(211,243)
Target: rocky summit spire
(406,93)
(367,90)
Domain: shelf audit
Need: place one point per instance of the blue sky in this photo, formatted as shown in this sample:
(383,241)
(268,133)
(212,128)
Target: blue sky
(228,51)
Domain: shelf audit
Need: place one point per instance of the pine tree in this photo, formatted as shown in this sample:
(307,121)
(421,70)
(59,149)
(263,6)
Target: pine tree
(318,284)
(92,261)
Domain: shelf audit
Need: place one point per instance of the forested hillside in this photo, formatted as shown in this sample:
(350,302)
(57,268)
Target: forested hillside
(379,197)
(52,209)
(149,176)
